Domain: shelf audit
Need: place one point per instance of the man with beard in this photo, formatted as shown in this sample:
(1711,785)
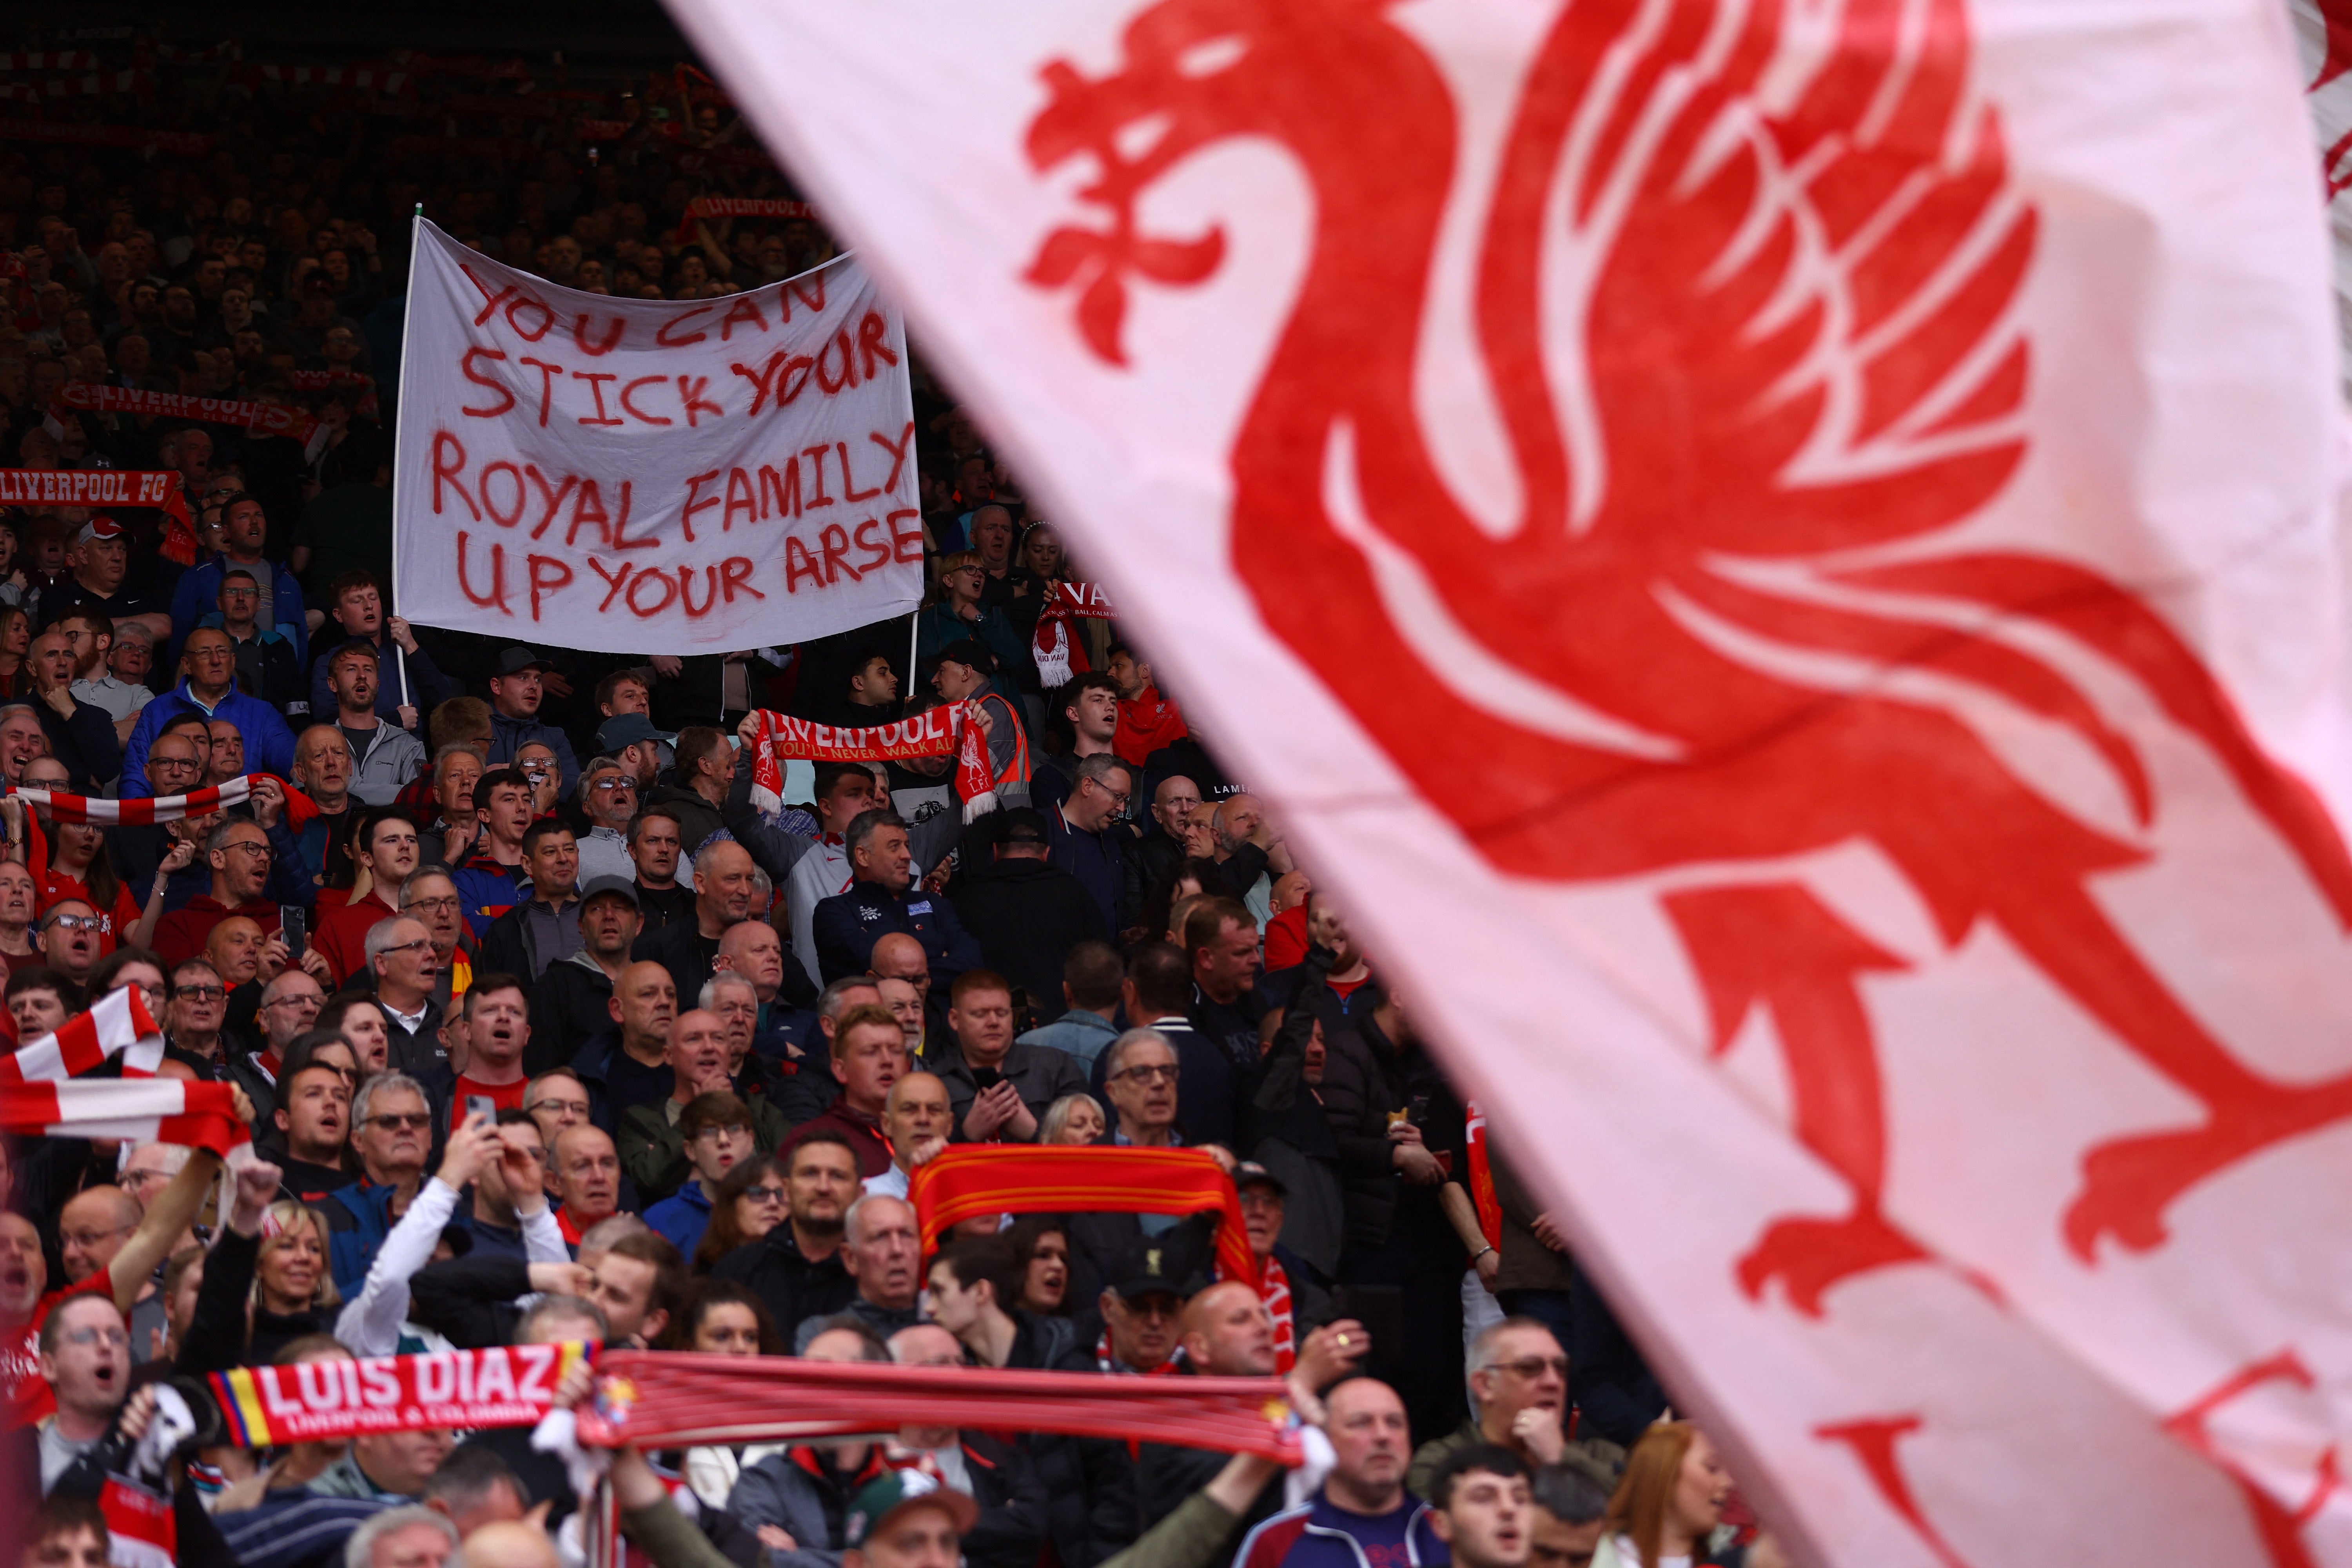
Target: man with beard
(796,1269)
(570,1004)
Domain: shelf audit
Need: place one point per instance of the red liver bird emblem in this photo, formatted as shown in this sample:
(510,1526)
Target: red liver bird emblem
(1785,270)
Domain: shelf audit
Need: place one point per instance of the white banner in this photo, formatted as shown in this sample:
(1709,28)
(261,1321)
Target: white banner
(2323,39)
(645,476)
(1858,477)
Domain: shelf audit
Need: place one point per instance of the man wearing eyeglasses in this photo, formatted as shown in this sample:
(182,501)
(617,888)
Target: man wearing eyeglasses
(69,938)
(289,1006)
(392,1133)
(1085,835)
(1518,1401)
(197,1007)
(400,955)
(253,875)
(608,796)
(175,766)
(210,690)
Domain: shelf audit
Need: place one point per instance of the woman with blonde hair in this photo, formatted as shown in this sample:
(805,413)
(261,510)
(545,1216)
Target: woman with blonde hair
(1074,1119)
(266,1283)
(1669,1502)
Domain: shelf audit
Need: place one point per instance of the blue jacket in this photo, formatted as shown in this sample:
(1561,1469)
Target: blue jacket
(359,1217)
(1317,1535)
(1080,1033)
(268,744)
(682,1217)
(509,735)
(198,593)
(848,924)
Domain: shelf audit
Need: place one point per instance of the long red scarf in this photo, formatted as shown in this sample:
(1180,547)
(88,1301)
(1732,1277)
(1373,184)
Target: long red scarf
(148,811)
(268,418)
(158,488)
(1020,1178)
(508,1385)
(1056,652)
(738,207)
(669,1399)
(143,1111)
(936,732)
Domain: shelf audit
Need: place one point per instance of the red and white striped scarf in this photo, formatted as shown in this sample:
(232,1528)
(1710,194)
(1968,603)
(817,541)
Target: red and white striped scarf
(104,813)
(117,1025)
(99,812)
(142,1110)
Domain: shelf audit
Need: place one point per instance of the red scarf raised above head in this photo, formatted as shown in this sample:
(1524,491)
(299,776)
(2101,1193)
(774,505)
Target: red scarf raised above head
(159,488)
(1051,646)
(935,732)
(149,810)
(1025,1178)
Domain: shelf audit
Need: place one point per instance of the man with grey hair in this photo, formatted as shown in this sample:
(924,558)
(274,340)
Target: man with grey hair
(1518,1401)
(608,798)
(410,1536)
(1085,835)
(431,895)
(882,1250)
(392,1133)
(400,954)
(474,1488)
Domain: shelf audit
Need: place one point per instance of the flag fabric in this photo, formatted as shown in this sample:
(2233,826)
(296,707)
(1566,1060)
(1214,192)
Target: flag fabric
(117,1024)
(2323,31)
(669,1399)
(1861,478)
(142,1110)
(973,1179)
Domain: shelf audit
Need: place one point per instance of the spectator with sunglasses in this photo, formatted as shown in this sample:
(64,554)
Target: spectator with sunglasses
(608,799)
(1518,1395)
(392,1133)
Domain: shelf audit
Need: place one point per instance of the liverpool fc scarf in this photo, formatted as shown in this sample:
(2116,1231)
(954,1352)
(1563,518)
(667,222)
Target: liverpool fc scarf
(159,488)
(1020,1178)
(268,418)
(117,1024)
(936,732)
(508,1385)
(1055,651)
(142,1110)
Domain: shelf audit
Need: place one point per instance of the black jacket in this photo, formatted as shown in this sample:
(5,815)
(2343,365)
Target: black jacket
(792,1287)
(85,742)
(1089,1482)
(470,1301)
(1027,915)
(847,925)
(569,1006)
(509,947)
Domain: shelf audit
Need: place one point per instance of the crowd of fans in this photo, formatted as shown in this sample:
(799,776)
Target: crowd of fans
(545,1032)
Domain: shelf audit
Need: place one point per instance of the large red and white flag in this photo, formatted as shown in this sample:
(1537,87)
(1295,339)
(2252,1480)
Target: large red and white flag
(1781,557)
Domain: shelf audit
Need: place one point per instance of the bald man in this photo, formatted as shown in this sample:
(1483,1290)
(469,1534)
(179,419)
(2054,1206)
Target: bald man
(652,1136)
(724,897)
(509,1546)
(918,1120)
(627,1065)
(1226,1332)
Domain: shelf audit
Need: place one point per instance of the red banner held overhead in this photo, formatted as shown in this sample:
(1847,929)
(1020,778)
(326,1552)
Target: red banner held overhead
(581,471)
